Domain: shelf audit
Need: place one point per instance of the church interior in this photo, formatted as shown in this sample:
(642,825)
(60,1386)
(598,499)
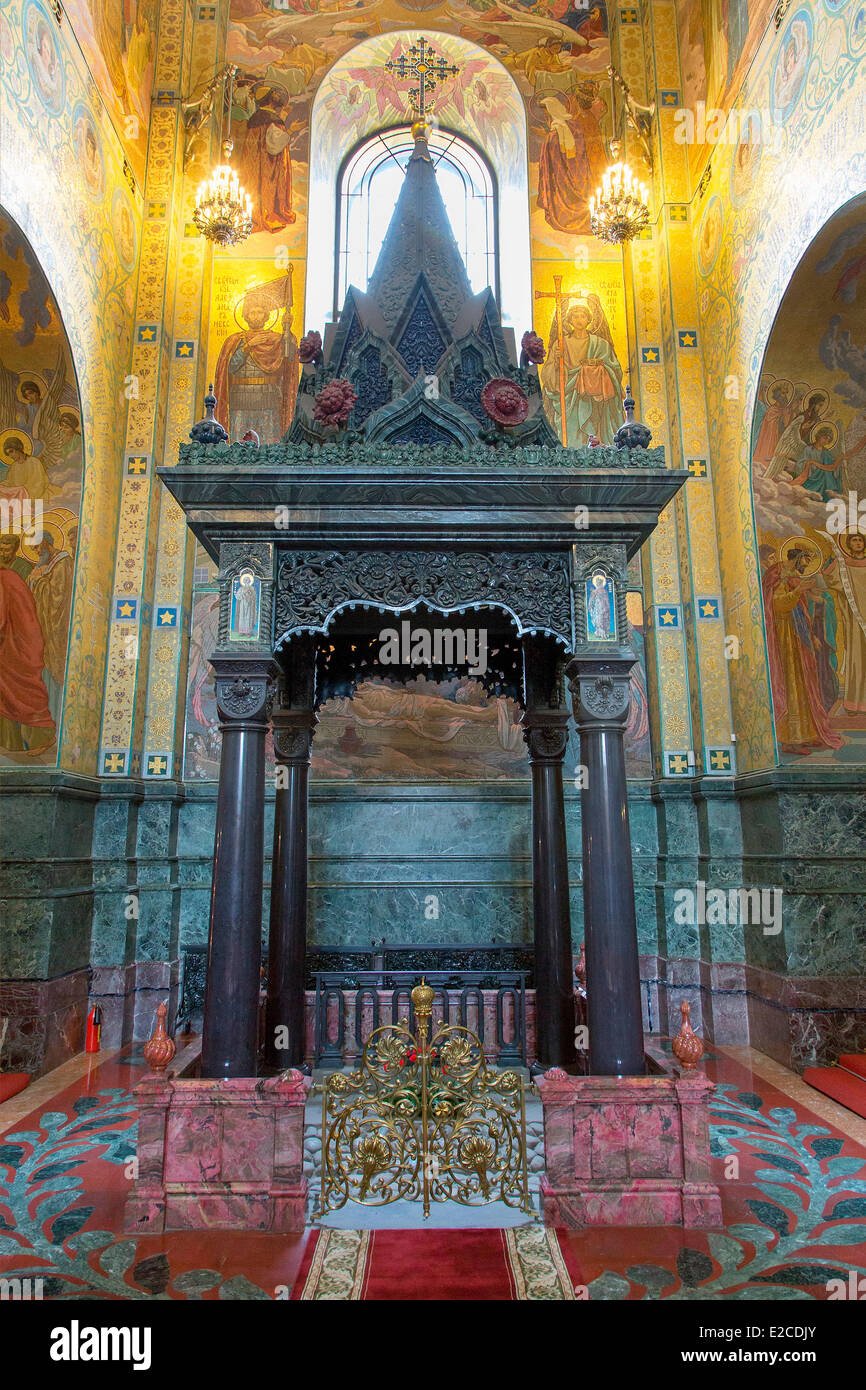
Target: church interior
(432,651)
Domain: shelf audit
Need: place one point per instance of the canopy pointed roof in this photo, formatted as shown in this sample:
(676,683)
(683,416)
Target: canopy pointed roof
(419,238)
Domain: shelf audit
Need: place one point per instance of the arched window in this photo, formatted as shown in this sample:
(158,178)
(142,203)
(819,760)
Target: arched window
(370,184)
(486,111)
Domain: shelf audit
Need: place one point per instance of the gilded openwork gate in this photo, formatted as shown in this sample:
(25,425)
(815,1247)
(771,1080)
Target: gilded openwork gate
(424,1119)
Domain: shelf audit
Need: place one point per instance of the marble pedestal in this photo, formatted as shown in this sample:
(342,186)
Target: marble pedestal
(219,1154)
(627,1151)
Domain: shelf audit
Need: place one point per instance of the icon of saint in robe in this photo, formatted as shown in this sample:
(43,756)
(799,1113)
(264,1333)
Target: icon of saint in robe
(50,581)
(592,376)
(265,160)
(256,378)
(245,608)
(599,608)
(26,723)
(573,157)
(799,704)
(776,416)
(847,579)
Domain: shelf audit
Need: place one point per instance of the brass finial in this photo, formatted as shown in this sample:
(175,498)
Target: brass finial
(422,999)
(422,1002)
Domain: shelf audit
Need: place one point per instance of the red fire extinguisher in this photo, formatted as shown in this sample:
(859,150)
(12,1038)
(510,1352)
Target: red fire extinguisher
(94,1029)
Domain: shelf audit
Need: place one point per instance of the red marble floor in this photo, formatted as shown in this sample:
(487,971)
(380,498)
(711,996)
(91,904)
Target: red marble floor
(793,1188)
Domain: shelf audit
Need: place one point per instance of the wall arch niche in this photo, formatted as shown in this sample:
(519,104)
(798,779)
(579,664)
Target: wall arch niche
(357,97)
(41,453)
(808,452)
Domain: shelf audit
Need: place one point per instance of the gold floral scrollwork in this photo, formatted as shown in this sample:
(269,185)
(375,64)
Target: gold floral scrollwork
(423,1119)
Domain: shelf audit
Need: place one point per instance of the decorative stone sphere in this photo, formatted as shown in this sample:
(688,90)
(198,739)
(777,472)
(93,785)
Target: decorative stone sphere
(504,401)
(310,347)
(333,405)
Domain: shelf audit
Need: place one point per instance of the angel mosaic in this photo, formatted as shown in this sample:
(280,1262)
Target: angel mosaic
(581,376)
(34,439)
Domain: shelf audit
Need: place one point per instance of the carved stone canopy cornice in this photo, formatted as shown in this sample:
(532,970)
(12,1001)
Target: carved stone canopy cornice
(421,458)
(532,587)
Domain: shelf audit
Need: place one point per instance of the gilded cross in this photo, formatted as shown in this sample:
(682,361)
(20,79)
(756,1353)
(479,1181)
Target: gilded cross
(426,70)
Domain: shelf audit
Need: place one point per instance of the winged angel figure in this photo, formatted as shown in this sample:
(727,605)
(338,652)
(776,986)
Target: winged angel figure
(31,436)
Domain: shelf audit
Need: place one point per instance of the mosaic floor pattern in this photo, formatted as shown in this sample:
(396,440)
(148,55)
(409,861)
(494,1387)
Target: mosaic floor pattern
(793,1189)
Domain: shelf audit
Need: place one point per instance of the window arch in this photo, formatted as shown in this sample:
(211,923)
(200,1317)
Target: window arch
(484,106)
(369,186)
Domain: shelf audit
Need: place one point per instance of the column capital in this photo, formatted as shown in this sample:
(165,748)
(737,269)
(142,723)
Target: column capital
(293,735)
(600,690)
(545,733)
(244,689)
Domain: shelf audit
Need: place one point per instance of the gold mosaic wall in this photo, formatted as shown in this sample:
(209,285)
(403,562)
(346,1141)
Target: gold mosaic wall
(684,314)
(64,184)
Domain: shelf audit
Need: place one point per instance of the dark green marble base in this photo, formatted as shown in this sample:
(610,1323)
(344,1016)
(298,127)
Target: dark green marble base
(114,876)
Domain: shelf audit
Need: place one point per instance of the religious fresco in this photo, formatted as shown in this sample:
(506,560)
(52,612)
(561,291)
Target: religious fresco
(254,349)
(69,237)
(40,491)
(582,376)
(718,41)
(745,268)
(118,39)
(389,731)
(553,56)
(808,454)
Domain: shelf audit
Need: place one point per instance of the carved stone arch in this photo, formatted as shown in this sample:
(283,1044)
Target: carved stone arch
(458,379)
(389,370)
(347,333)
(419,418)
(421,336)
(489,330)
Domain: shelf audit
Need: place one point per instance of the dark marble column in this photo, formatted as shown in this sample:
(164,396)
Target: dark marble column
(600,690)
(545,731)
(294,721)
(230,1035)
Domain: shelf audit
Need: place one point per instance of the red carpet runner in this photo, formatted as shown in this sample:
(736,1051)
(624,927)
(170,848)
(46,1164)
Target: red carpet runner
(854,1061)
(525,1262)
(845,1083)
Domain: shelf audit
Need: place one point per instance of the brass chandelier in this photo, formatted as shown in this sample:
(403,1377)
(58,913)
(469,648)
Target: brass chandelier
(223,212)
(619,209)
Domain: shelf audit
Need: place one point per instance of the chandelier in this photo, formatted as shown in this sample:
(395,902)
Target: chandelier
(619,209)
(223,212)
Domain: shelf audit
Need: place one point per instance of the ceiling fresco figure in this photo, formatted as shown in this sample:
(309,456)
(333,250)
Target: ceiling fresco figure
(573,156)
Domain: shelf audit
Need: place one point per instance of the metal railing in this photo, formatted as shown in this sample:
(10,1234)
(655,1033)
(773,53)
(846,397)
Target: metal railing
(384,997)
